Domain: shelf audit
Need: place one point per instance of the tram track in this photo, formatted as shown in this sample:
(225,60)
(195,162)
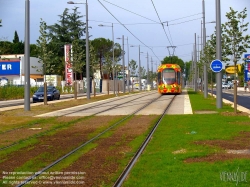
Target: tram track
(95,105)
(132,162)
(87,142)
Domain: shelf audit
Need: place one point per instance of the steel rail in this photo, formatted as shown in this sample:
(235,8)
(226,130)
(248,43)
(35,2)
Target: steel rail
(126,171)
(40,134)
(84,144)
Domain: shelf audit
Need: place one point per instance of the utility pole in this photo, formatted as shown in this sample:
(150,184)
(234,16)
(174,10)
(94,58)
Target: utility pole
(128,77)
(198,60)
(147,70)
(152,72)
(27,57)
(195,64)
(204,44)
(218,56)
(139,68)
(123,64)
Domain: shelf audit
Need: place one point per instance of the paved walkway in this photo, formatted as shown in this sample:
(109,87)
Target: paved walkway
(181,104)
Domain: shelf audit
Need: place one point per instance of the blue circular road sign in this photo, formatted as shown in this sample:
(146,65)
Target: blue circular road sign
(216,66)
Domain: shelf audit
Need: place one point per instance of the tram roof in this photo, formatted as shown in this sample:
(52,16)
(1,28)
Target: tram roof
(174,66)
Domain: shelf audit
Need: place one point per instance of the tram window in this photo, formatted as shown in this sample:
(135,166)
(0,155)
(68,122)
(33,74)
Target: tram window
(159,78)
(178,77)
(168,76)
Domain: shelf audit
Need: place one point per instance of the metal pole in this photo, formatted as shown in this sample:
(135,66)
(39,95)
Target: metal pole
(198,68)
(113,57)
(152,72)
(147,70)
(204,43)
(27,57)
(195,64)
(218,55)
(123,64)
(128,77)
(139,68)
(87,53)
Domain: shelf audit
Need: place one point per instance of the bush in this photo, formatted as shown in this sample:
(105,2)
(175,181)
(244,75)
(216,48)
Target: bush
(8,92)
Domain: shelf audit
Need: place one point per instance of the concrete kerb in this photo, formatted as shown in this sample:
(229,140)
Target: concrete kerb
(187,104)
(113,98)
(239,107)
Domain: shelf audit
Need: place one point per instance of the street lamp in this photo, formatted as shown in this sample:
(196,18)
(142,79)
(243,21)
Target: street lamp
(123,63)
(139,66)
(113,51)
(87,47)
(203,44)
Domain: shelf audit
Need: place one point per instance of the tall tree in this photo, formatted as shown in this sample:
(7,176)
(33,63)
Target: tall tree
(18,46)
(77,57)
(44,53)
(133,68)
(108,66)
(70,28)
(102,46)
(94,64)
(233,32)
(16,38)
(143,72)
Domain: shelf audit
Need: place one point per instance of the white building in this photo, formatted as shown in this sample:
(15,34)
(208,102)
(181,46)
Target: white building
(12,69)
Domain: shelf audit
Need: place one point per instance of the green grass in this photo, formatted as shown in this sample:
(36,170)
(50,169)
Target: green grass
(159,166)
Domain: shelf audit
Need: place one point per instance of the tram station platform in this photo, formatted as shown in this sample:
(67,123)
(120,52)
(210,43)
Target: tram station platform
(181,105)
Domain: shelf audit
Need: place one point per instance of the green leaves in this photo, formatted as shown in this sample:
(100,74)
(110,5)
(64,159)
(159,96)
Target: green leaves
(44,53)
(173,60)
(133,67)
(235,42)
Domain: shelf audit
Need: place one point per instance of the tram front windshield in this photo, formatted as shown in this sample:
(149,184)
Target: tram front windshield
(169,76)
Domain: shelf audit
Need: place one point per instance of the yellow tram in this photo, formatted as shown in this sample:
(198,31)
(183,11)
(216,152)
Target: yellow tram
(169,79)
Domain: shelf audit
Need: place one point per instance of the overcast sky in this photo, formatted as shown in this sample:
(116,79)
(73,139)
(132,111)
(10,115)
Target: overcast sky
(140,18)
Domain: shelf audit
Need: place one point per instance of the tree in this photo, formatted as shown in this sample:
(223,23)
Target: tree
(70,28)
(102,46)
(6,47)
(78,56)
(108,66)
(143,72)
(133,70)
(16,38)
(236,42)
(44,53)
(133,67)
(18,46)
(33,50)
(94,64)
(173,60)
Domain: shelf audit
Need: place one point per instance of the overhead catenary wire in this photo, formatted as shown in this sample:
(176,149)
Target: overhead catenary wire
(184,21)
(170,42)
(131,11)
(127,29)
(154,22)
(182,18)
(145,23)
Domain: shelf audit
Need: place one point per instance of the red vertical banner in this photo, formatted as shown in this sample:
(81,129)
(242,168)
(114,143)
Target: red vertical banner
(68,65)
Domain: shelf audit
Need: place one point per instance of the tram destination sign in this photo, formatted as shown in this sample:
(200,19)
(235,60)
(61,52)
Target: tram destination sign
(216,66)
